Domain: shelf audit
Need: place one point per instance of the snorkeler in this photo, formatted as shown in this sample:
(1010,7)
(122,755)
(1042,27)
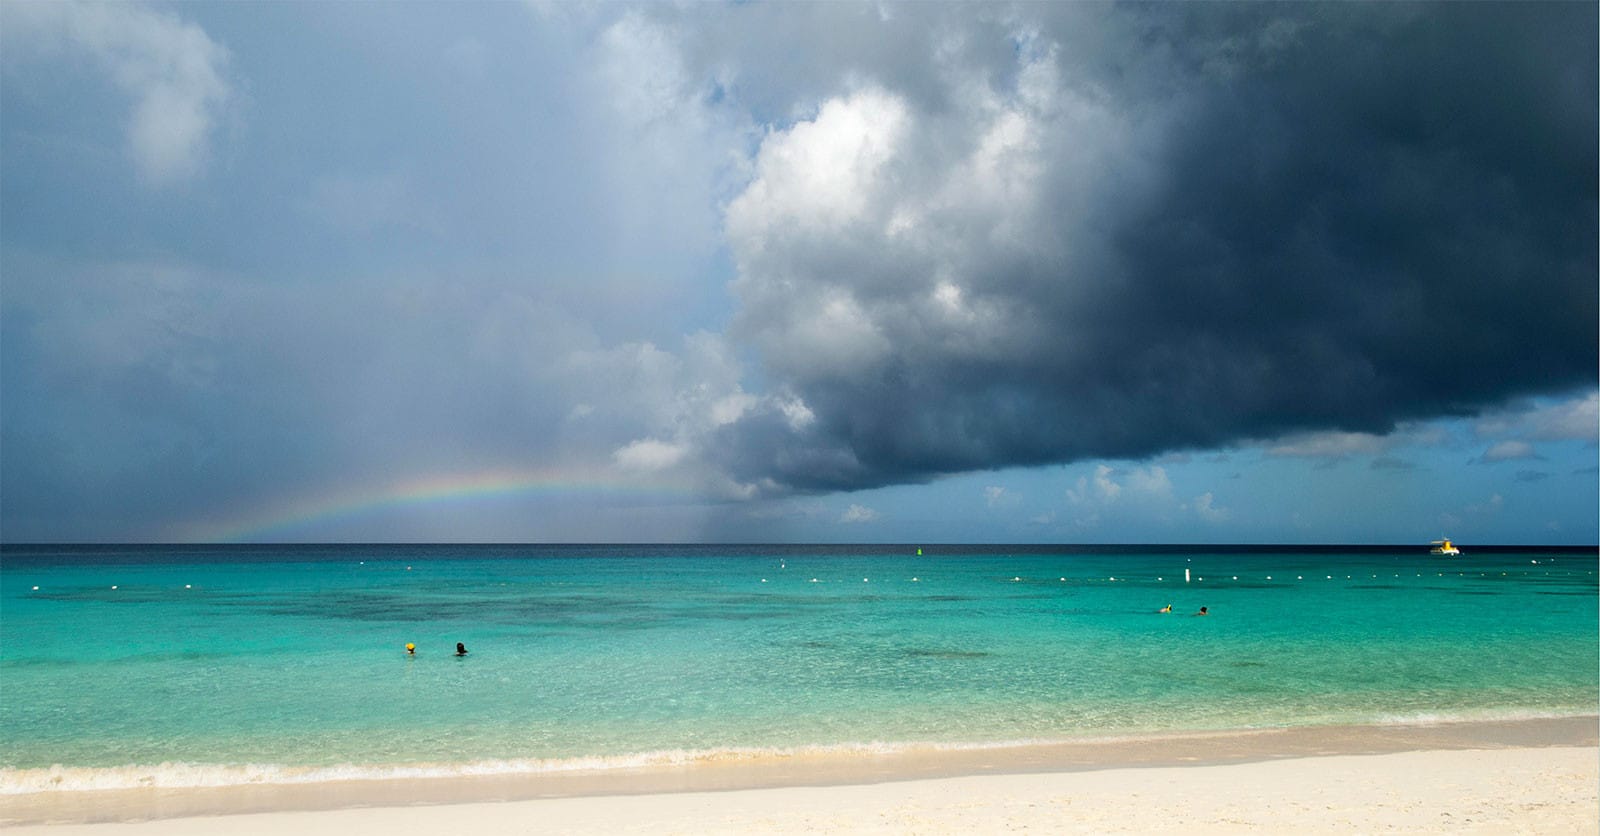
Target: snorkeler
(1167,608)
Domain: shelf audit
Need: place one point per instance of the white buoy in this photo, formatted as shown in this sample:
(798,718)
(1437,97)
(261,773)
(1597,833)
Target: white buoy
(1186,576)
(36,589)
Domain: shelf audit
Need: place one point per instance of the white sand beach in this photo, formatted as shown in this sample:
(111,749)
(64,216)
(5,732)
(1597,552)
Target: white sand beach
(1534,790)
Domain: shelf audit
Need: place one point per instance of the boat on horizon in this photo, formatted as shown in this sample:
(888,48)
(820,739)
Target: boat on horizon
(1444,547)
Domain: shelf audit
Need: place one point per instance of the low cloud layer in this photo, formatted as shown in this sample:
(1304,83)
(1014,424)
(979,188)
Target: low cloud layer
(1238,223)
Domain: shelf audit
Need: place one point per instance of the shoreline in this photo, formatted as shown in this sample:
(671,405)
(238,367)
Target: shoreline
(1258,750)
(1519,790)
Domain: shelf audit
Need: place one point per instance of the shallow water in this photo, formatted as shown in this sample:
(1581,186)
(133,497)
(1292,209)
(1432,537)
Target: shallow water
(231,664)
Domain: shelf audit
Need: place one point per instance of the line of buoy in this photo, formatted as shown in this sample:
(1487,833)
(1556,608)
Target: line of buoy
(1187,578)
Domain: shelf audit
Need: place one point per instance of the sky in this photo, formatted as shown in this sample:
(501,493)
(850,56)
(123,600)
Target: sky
(799,272)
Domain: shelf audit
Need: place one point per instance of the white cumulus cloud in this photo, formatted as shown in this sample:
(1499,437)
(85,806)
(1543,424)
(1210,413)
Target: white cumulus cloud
(1206,506)
(858,514)
(1506,451)
(1151,481)
(1575,419)
(820,173)
(649,454)
(1328,445)
(996,496)
(172,70)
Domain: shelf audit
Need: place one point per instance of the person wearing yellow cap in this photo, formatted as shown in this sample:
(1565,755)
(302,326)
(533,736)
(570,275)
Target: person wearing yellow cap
(411,649)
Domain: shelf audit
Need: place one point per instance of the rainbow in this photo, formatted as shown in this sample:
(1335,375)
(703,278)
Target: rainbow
(281,520)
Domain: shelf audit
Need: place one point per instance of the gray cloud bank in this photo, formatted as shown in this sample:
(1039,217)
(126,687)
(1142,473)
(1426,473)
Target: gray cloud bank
(1219,223)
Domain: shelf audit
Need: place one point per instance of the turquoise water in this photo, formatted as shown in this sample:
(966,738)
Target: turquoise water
(191,665)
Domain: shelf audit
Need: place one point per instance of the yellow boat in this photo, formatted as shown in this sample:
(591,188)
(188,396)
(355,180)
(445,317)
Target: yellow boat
(1444,547)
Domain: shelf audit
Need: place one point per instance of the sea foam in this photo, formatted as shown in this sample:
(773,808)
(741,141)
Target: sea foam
(60,778)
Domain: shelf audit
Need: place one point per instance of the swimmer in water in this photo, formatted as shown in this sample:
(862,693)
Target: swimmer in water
(1203,611)
(1167,608)
(411,649)
(461,649)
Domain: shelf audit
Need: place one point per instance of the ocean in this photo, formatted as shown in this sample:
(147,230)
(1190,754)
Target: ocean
(215,665)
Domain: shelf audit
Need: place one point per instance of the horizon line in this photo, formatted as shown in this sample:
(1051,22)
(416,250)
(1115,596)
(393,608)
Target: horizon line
(909,544)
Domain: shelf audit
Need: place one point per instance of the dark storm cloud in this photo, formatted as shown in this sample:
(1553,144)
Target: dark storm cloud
(1236,222)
